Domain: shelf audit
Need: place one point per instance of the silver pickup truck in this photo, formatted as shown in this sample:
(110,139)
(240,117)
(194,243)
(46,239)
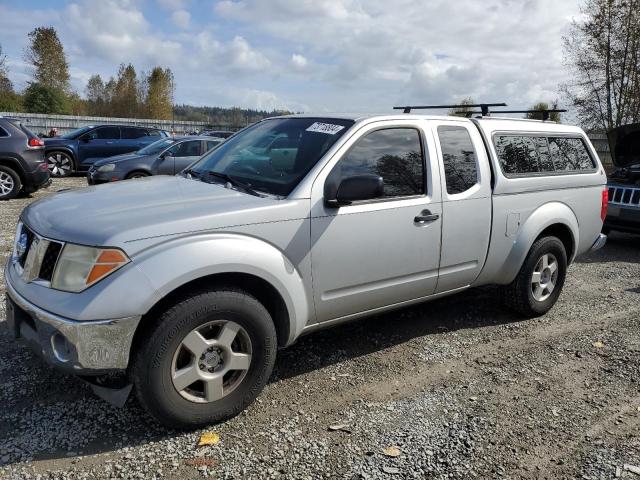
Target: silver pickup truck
(187,286)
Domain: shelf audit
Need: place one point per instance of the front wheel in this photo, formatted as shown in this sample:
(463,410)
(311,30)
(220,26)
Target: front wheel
(206,359)
(60,164)
(540,279)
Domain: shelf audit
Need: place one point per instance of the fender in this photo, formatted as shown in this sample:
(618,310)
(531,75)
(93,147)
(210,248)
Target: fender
(174,263)
(10,160)
(503,271)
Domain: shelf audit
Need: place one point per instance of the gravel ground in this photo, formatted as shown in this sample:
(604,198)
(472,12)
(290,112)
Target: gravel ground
(460,387)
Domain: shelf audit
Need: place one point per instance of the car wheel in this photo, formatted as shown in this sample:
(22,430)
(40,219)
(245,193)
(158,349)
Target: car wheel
(60,164)
(10,183)
(137,175)
(206,358)
(540,279)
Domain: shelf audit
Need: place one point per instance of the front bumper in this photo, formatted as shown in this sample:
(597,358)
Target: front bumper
(94,177)
(79,347)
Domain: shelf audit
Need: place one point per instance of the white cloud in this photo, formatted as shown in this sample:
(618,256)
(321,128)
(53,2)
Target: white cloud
(299,62)
(181,19)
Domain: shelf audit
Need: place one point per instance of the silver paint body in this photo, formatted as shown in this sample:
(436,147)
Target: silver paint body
(328,264)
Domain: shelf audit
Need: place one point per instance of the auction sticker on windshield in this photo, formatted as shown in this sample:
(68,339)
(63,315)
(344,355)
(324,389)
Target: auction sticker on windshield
(329,128)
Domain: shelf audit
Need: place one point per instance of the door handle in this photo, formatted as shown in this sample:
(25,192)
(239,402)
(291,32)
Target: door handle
(425,217)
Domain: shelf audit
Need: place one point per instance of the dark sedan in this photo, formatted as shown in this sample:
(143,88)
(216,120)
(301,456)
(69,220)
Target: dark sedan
(77,150)
(163,157)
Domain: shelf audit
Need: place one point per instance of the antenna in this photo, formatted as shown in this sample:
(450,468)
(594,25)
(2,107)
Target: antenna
(482,106)
(545,112)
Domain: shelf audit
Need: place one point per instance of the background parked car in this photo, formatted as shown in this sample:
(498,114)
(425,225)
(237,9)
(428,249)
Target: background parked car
(22,165)
(167,156)
(216,133)
(77,150)
(623,213)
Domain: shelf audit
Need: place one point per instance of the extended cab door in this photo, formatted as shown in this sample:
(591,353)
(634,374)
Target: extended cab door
(466,202)
(380,252)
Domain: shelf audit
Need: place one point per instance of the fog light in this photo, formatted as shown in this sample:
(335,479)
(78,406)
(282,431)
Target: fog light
(61,348)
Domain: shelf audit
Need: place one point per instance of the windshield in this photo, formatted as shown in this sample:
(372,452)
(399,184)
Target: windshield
(157,146)
(76,133)
(273,155)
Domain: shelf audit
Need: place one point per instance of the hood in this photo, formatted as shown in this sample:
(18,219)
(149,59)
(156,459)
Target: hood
(116,213)
(624,143)
(116,158)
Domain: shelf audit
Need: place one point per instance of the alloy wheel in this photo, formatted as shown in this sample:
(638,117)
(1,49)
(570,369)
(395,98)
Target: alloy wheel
(60,164)
(211,361)
(7,184)
(544,277)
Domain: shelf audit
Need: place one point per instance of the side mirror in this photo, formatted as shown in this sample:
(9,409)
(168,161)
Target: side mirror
(85,139)
(166,154)
(353,189)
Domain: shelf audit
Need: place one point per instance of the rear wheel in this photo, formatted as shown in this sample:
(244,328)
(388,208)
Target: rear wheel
(206,359)
(60,164)
(10,184)
(540,279)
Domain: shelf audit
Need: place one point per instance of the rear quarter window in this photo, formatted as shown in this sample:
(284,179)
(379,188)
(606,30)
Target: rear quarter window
(531,155)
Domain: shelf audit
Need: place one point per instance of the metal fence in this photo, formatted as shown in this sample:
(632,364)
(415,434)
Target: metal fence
(43,123)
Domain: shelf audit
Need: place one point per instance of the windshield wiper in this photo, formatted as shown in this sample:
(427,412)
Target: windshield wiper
(233,181)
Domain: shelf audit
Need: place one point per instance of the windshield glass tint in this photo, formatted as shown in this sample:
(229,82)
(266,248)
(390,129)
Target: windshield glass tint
(274,155)
(76,133)
(157,146)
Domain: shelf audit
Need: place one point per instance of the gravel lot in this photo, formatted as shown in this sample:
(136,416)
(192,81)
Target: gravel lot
(462,388)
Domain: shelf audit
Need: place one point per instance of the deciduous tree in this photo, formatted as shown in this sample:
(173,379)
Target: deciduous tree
(159,93)
(553,116)
(46,53)
(602,50)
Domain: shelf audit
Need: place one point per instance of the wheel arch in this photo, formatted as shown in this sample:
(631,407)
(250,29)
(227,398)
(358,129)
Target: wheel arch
(553,218)
(63,149)
(15,165)
(137,170)
(254,285)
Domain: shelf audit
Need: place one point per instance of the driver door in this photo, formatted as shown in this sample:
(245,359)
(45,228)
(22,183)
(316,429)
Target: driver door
(379,252)
(98,143)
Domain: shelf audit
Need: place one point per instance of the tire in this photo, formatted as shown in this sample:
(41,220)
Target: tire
(134,175)
(163,354)
(523,294)
(60,164)
(10,183)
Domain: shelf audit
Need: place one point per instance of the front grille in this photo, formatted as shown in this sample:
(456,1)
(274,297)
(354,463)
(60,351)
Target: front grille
(49,261)
(624,195)
(30,236)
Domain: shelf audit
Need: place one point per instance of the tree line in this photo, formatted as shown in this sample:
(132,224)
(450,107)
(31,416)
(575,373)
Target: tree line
(128,94)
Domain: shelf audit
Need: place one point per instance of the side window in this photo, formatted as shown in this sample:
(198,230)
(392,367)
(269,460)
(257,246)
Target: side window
(153,132)
(211,145)
(133,132)
(459,158)
(3,132)
(187,149)
(517,154)
(395,154)
(570,154)
(107,133)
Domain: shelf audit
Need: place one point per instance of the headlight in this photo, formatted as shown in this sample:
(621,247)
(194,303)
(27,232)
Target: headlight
(79,267)
(109,167)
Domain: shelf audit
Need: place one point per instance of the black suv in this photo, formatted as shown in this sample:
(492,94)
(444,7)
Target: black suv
(22,164)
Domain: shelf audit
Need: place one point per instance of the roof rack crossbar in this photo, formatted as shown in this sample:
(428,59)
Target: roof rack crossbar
(483,106)
(545,112)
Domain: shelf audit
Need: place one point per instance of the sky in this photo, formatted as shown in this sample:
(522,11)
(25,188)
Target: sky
(310,55)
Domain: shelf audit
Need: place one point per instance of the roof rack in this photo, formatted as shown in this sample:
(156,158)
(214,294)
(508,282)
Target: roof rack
(545,112)
(484,107)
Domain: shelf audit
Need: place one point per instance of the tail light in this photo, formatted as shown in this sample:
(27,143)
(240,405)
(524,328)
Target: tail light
(605,204)
(36,142)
